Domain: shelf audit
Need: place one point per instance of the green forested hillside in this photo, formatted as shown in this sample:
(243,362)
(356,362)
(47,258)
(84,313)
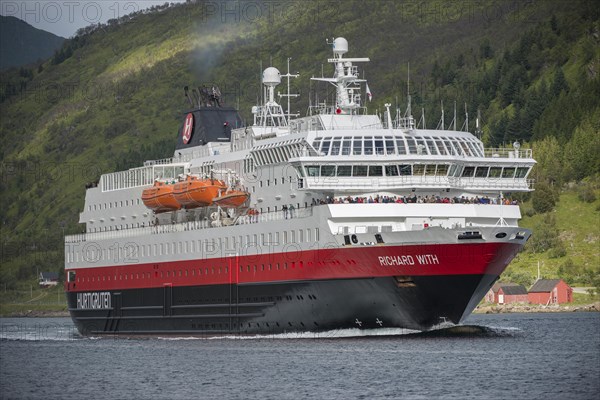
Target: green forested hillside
(112,96)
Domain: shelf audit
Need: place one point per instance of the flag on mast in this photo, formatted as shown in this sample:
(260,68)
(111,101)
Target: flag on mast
(369,94)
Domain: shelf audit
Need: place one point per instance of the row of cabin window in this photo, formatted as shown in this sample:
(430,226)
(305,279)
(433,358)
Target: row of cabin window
(275,181)
(194,272)
(388,145)
(131,252)
(163,274)
(415,170)
(105,206)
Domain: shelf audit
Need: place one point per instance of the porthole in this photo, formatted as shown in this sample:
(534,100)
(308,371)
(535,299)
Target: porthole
(500,235)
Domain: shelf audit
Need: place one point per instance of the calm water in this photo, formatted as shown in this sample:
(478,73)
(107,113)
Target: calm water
(513,356)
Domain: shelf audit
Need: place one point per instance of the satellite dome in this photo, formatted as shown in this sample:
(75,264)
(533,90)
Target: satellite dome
(340,46)
(271,76)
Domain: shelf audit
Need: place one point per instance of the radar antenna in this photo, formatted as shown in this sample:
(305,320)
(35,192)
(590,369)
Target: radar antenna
(288,95)
(345,78)
(270,113)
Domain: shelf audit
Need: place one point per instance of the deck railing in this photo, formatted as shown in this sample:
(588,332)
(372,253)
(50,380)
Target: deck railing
(507,153)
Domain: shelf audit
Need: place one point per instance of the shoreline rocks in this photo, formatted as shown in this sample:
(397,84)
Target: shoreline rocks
(535,308)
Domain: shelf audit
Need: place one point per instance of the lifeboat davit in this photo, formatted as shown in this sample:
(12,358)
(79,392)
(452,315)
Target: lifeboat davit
(159,198)
(232,199)
(196,192)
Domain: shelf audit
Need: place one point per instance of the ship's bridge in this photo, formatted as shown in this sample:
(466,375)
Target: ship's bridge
(380,159)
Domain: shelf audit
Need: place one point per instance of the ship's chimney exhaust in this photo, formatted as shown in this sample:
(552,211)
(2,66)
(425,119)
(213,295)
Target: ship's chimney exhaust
(187,95)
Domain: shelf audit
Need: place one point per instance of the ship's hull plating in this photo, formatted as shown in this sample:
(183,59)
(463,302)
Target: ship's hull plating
(285,307)
(366,287)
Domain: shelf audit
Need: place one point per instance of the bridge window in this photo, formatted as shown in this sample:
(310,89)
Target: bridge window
(421,146)
(465,148)
(412,145)
(442,170)
(391,170)
(418,169)
(431,147)
(379,150)
(359,170)
(346,144)
(508,172)
(405,169)
(357,146)
(495,172)
(481,172)
(368,145)
(328,170)
(521,172)
(312,170)
(335,148)
(344,170)
(473,148)
(441,148)
(468,172)
(389,146)
(430,169)
(476,149)
(401,146)
(317,143)
(326,145)
(451,149)
(375,170)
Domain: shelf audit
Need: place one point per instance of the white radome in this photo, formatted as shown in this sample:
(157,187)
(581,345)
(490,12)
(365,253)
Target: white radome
(271,76)
(340,46)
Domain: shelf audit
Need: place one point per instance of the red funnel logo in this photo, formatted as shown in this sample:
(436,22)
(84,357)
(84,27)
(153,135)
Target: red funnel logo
(188,128)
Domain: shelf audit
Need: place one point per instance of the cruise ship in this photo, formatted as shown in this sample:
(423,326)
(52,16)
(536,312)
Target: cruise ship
(338,219)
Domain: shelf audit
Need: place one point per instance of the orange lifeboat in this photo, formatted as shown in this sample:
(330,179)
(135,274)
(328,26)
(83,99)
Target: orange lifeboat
(232,199)
(159,198)
(195,192)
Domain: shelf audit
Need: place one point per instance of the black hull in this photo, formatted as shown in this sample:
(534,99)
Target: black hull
(419,303)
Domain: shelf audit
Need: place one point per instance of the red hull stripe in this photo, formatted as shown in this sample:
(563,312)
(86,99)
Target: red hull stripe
(339,263)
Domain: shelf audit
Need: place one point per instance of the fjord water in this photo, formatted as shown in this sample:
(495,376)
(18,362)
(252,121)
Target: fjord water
(506,356)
